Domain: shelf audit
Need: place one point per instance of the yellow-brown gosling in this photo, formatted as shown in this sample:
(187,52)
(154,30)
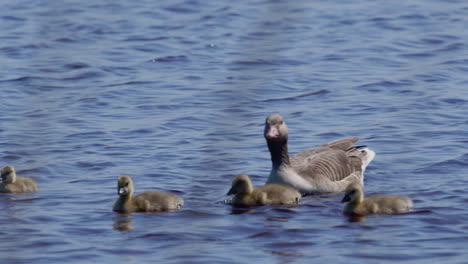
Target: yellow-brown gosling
(149,201)
(356,204)
(15,184)
(246,195)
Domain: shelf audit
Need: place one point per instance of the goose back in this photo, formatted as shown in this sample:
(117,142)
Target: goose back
(325,161)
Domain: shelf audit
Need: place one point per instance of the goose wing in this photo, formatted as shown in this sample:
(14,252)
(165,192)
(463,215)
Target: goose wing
(335,160)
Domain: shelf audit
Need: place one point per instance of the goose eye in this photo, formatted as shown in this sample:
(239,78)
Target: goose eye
(353,192)
(126,184)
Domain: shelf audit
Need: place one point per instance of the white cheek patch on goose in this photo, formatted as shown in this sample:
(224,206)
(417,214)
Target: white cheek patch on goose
(369,157)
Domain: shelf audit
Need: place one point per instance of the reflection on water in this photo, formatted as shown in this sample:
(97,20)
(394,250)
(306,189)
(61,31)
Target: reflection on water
(355,218)
(361,218)
(123,223)
(240,210)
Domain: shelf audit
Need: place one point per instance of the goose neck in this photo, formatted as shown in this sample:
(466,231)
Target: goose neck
(279,153)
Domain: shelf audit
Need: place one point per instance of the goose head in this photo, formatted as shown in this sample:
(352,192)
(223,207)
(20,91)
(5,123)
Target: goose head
(275,129)
(241,185)
(354,193)
(125,186)
(8,174)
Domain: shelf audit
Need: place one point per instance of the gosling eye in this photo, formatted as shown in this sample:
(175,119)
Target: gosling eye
(126,184)
(352,192)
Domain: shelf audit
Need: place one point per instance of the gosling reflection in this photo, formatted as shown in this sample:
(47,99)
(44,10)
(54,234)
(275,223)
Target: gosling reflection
(123,223)
(238,210)
(356,218)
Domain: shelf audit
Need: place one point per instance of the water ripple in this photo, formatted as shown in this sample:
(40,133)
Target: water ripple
(177,96)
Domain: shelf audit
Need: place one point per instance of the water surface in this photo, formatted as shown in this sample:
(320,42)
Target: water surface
(175,95)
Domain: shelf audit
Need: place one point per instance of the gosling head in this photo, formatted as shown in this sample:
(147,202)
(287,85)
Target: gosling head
(275,128)
(241,185)
(125,186)
(8,174)
(353,193)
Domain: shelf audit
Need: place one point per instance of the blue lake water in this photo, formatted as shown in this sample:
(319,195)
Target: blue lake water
(175,95)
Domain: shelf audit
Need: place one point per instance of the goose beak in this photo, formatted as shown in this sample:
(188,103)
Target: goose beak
(231,191)
(272,132)
(121,191)
(346,198)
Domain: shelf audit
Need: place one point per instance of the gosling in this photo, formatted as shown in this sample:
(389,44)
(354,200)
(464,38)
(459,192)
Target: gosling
(149,201)
(11,183)
(275,194)
(379,204)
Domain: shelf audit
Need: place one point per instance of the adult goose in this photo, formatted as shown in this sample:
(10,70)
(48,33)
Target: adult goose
(329,168)
(10,183)
(149,201)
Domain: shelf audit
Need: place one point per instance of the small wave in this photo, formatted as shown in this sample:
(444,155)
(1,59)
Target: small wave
(447,165)
(265,234)
(23,79)
(454,101)
(142,131)
(95,165)
(142,39)
(419,54)
(13,18)
(11,157)
(292,98)
(93,134)
(451,47)
(132,83)
(157,236)
(369,86)
(76,65)
(254,62)
(65,40)
(81,76)
(177,58)
(179,9)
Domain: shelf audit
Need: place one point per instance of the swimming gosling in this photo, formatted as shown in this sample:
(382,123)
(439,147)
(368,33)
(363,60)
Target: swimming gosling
(356,204)
(15,184)
(246,195)
(149,201)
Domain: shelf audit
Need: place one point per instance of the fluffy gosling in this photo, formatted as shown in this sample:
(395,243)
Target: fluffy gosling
(246,195)
(149,201)
(11,183)
(356,204)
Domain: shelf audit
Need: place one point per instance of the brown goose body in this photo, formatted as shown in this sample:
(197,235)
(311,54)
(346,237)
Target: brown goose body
(328,168)
(149,201)
(356,204)
(15,184)
(275,194)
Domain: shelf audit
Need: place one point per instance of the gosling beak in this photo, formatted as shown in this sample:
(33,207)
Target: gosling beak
(346,198)
(121,191)
(232,191)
